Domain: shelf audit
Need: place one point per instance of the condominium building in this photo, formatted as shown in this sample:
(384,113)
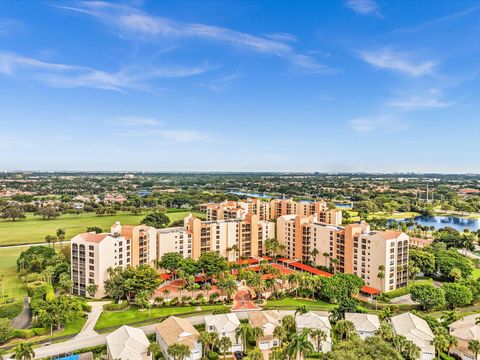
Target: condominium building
(271,210)
(92,255)
(355,249)
(143,241)
(232,238)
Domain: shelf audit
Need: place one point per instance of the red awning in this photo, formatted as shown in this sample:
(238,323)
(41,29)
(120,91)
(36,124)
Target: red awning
(310,269)
(283,259)
(370,290)
(165,276)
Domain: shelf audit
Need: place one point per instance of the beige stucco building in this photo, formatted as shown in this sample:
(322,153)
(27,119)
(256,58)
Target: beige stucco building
(355,248)
(231,238)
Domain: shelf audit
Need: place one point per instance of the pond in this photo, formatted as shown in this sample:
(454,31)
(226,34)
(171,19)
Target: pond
(458,223)
(253,195)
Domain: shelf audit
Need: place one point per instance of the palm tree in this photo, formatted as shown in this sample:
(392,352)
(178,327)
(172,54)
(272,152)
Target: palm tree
(452,341)
(23,351)
(257,333)
(277,354)
(319,335)
(178,351)
(299,345)
(301,310)
(412,351)
(208,340)
(288,322)
(60,234)
(243,332)
(314,253)
(92,289)
(254,354)
(441,344)
(224,345)
(154,349)
(326,255)
(280,333)
(474,346)
(385,331)
(344,329)
(381,275)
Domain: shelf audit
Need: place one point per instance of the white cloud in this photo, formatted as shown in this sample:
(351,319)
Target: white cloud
(73,76)
(134,23)
(376,124)
(7,26)
(134,121)
(419,102)
(364,7)
(219,85)
(386,58)
(171,135)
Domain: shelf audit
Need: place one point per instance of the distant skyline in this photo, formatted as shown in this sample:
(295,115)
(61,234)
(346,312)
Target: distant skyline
(299,86)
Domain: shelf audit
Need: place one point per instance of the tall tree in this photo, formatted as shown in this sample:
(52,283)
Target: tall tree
(23,351)
(224,345)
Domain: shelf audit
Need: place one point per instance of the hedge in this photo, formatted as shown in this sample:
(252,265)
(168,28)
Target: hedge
(11,310)
(444,356)
(29,333)
(115,307)
(40,290)
(86,307)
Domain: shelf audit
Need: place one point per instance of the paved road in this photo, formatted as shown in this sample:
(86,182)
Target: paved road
(22,321)
(34,244)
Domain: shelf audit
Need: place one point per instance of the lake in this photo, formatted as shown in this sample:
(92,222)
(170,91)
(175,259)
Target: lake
(253,195)
(458,223)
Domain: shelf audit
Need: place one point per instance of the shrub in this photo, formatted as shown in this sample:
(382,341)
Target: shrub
(33,277)
(87,308)
(115,307)
(444,356)
(213,355)
(221,311)
(11,310)
(40,290)
(29,333)
(6,329)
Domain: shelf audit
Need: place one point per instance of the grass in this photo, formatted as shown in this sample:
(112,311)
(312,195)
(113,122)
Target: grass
(13,286)
(34,229)
(293,303)
(133,315)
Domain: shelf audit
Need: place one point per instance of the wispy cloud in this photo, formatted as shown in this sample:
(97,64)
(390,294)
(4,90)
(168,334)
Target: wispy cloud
(7,26)
(134,121)
(131,22)
(74,76)
(220,84)
(376,124)
(401,62)
(364,7)
(427,100)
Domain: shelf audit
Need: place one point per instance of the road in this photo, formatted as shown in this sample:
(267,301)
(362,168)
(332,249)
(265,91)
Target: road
(75,344)
(33,244)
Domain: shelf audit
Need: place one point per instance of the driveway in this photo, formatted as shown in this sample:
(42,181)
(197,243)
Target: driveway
(22,320)
(242,301)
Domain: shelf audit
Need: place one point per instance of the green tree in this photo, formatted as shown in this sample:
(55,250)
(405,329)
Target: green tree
(13,212)
(155,350)
(301,310)
(423,260)
(224,345)
(474,346)
(188,266)
(428,296)
(319,336)
(170,261)
(6,329)
(300,345)
(209,340)
(23,351)
(344,329)
(212,263)
(157,220)
(356,349)
(94,229)
(143,278)
(48,212)
(441,344)
(457,294)
(178,351)
(254,354)
(115,284)
(243,331)
(92,289)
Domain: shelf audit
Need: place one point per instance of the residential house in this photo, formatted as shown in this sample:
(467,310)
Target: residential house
(416,330)
(366,325)
(225,325)
(128,343)
(315,321)
(176,330)
(266,320)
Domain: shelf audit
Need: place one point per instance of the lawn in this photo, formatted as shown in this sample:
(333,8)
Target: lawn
(132,315)
(291,303)
(13,286)
(34,229)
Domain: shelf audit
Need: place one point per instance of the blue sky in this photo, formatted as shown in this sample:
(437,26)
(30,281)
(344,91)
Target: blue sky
(353,85)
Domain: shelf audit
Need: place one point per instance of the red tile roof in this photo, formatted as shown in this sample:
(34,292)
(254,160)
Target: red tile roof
(309,269)
(283,259)
(370,290)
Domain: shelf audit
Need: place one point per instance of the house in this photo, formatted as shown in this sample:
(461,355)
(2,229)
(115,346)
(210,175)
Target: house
(267,320)
(314,321)
(465,330)
(128,343)
(416,330)
(176,330)
(225,325)
(366,325)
